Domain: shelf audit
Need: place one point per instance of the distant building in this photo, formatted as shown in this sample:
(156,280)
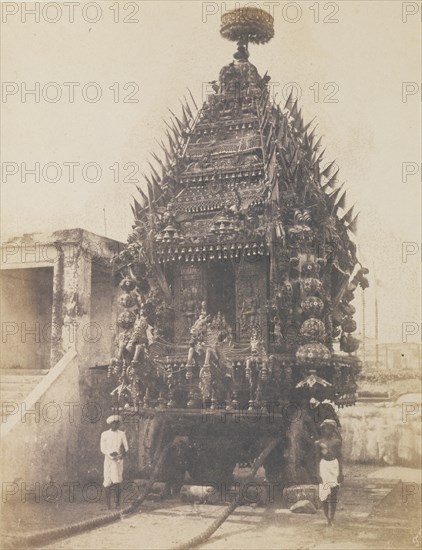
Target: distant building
(393,355)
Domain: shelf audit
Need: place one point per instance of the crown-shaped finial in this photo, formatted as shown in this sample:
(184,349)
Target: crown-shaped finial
(244,25)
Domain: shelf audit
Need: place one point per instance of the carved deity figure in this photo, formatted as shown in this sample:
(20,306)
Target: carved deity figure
(278,334)
(139,338)
(125,323)
(256,371)
(285,296)
(210,338)
(250,311)
(189,305)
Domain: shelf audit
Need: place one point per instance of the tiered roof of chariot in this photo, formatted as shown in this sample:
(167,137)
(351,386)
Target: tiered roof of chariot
(243,179)
(242,172)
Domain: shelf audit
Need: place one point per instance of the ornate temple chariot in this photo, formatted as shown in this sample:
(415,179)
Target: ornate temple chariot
(238,278)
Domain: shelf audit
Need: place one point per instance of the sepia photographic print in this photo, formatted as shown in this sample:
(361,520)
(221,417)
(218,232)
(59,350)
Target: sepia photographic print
(210,275)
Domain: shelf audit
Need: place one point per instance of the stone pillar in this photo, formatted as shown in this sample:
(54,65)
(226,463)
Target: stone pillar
(56,351)
(72,304)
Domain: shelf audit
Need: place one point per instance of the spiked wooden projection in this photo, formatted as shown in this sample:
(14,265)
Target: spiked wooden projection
(238,277)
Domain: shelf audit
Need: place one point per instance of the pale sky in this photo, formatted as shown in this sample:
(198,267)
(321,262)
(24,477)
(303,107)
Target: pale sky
(371,131)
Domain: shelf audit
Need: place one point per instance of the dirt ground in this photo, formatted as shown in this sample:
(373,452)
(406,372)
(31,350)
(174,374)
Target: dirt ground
(376,511)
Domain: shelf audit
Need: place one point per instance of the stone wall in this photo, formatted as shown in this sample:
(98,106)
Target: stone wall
(39,442)
(54,436)
(384,433)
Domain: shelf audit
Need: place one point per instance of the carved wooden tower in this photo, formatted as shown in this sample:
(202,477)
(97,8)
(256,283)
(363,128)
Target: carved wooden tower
(239,274)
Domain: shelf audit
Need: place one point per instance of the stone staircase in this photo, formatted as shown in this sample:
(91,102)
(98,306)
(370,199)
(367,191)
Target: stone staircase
(16,385)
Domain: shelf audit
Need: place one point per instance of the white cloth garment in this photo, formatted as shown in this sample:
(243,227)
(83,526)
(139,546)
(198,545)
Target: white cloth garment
(112,442)
(329,471)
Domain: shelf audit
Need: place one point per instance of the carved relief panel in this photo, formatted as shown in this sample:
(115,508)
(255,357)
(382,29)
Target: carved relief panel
(251,297)
(189,293)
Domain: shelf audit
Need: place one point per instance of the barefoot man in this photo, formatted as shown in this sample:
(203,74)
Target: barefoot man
(330,467)
(114,448)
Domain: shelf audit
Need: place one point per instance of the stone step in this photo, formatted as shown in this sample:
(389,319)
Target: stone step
(19,372)
(16,396)
(17,384)
(12,397)
(9,382)
(8,394)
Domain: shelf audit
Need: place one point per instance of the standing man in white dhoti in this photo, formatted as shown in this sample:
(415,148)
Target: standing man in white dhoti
(114,448)
(330,467)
